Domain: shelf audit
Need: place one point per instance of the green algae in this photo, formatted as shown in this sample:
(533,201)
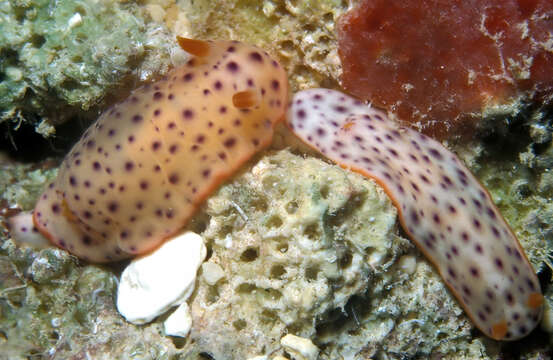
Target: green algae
(22,184)
(58,58)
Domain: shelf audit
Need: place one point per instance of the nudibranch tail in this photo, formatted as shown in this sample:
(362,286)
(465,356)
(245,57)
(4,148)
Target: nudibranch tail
(23,229)
(140,172)
(441,206)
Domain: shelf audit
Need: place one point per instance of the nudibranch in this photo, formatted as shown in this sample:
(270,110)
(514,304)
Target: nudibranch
(140,172)
(441,205)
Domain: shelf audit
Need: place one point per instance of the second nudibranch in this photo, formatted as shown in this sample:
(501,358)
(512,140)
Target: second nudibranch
(441,206)
(140,172)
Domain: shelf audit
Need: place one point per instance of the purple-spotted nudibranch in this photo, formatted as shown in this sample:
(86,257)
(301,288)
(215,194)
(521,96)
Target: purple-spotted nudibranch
(140,172)
(441,206)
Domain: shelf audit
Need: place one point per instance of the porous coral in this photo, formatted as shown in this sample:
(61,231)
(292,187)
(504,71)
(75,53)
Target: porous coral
(301,33)
(291,249)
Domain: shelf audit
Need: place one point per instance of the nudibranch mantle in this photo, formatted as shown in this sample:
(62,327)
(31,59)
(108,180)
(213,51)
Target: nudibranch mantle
(140,172)
(441,205)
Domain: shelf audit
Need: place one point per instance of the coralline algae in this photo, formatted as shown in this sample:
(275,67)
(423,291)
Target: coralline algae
(458,60)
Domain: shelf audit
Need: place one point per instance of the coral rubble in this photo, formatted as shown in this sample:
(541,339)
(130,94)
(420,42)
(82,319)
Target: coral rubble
(67,55)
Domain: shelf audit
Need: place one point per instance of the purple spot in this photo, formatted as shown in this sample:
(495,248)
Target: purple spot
(230,142)
(129,166)
(255,56)
(435,153)
(156,145)
(232,67)
(188,114)
(174,178)
(87,240)
(113,206)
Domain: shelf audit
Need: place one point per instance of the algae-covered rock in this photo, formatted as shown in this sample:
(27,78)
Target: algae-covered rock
(516,168)
(22,184)
(68,55)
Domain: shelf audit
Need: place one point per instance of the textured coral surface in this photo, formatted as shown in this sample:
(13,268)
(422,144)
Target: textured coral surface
(459,60)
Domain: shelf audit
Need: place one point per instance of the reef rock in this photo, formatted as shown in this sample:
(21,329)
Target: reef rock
(444,64)
(292,249)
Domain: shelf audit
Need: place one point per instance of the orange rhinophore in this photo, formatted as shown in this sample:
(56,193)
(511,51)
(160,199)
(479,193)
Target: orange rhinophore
(441,205)
(140,172)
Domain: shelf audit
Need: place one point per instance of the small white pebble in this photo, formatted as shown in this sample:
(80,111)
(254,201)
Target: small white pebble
(74,21)
(300,348)
(56,322)
(278,357)
(212,273)
(376,258)
(408,264)
(260,357)
(157,281)
(179,322)
(228,241)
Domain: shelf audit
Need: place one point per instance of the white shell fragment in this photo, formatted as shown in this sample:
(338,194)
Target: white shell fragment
(179,322)
(164,278)
(300,348)
(212,273)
